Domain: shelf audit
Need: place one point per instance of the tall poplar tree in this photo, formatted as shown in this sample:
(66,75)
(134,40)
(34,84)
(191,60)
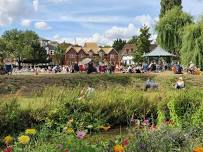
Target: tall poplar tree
(167,5)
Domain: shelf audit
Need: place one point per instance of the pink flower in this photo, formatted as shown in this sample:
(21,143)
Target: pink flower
(80,134)
(146,122)
(125,142)
(8,149)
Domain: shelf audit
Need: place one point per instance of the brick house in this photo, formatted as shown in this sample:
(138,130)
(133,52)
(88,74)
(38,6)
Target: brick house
(127,53)
(90,50)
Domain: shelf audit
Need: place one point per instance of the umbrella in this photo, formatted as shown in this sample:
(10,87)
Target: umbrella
(86,61)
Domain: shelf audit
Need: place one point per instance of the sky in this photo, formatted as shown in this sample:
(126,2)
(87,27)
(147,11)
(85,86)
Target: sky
(80,21)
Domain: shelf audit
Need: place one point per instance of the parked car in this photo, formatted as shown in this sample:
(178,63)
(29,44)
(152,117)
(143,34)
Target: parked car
(8,68)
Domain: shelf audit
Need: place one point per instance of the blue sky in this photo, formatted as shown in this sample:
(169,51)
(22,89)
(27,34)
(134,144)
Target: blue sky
(101,21)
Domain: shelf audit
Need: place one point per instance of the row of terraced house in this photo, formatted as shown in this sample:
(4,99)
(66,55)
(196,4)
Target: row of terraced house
(91,50)
(76,53)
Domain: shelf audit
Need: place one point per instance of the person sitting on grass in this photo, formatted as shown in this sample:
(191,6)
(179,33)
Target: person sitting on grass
(180,84)
(150,84)
(86,92)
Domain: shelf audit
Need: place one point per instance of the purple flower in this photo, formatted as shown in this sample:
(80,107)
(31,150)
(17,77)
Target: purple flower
(146,122)
(142,146)
(80,134)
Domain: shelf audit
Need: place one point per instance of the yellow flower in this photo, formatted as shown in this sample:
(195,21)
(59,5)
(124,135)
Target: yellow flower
(24,139)
(69,142)
(8,140)
(118,148)
(198,149)
(70,121)
(69,130)
(30,131)
(105,128)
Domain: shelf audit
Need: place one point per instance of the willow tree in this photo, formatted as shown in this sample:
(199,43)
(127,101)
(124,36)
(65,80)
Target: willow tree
(170,27)
(167,5)
(192,44)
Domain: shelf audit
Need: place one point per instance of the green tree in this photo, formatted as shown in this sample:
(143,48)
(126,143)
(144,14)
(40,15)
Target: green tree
(3,52)
(14,43)
(142,44)
(167,5)
(133,40)
(118,44)
(59,53)
(24,46)
(170,28)
(58,57)
(192,44)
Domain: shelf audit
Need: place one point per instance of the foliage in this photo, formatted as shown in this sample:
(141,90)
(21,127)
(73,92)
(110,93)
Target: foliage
(142,44)
(133,40)
(14,42)
(3,52)
(170,28)
(118,44)
(61,115)
(167,5)
(59,52)
(139,140)
(24,46)
(192,45)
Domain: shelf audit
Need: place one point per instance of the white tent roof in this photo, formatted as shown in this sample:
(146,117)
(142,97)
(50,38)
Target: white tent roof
(158,52)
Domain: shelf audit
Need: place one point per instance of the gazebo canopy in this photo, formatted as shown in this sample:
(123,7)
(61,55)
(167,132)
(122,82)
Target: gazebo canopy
(159,52)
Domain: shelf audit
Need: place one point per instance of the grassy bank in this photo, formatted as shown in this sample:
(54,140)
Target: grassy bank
(118,101)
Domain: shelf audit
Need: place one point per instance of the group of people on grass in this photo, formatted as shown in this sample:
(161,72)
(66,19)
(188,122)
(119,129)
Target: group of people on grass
(191,69)
(151,84)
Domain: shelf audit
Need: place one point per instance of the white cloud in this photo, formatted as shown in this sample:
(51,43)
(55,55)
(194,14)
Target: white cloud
(42,26)
(98,38)
(121,32)
(35,5)
(93,19)
(12,10)
(144,20)
(26,22)
(103,39)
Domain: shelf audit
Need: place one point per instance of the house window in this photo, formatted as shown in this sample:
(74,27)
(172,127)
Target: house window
(131,50)
(130,62)
(51,52)
(101,54)
(72,56)
(91,54)
(112,56)
(81,56)
(127,51)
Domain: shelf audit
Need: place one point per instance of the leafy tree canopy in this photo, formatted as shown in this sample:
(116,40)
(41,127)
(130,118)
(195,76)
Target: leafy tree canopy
(167,5)
(192,44)
(119,44)
(3,52)
(170,29)
(133,40)
(23,45)
(142,44)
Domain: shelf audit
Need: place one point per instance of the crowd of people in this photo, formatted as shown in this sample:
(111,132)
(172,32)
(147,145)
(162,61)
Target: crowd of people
(91,67)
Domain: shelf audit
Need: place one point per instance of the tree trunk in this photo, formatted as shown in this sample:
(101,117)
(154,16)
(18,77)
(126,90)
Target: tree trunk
(19,63)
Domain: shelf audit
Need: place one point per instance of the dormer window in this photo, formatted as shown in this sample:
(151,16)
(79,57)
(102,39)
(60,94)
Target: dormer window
(112,56)
(101,54)
(91,54)
(127,51)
